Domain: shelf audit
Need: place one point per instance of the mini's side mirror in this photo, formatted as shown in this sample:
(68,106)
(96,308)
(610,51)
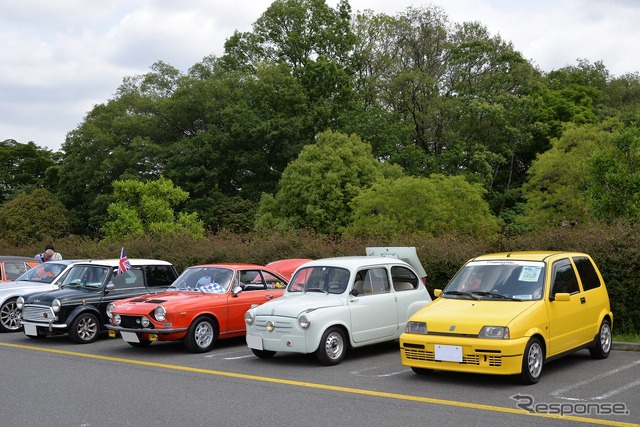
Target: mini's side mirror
(236,290)
(110,287)
(354,292)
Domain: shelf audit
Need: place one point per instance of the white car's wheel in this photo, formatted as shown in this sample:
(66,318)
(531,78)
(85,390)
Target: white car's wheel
(332,347)
(9,316)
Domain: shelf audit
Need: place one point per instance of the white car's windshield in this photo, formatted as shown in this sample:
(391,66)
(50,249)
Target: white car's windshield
(203,279)
(42,273)
(503,280)
(330,280)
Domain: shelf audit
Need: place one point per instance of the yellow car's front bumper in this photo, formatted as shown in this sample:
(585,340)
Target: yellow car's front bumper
(463,354)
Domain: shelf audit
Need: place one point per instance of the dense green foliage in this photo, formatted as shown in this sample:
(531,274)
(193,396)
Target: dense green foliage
(323,120)
(35,216)
(148,208)
(436,206)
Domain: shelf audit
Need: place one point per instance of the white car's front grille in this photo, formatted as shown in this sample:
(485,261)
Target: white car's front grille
(282,326)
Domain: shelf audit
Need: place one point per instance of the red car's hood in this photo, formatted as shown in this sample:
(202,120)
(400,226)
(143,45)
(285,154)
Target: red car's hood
(146,302)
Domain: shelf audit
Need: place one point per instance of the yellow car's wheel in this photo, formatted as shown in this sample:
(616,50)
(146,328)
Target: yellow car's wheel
(532,361)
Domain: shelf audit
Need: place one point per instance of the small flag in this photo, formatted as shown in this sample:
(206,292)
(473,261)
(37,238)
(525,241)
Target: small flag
(124,263)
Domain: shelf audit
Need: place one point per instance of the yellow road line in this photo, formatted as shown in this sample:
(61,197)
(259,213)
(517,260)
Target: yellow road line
(327,387)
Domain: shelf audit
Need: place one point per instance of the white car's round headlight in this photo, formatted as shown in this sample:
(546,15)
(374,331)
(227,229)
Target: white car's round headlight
(160,313)
(304,321)
(55,305)
(117,320)
(249,318)
(110,308)
(20,303)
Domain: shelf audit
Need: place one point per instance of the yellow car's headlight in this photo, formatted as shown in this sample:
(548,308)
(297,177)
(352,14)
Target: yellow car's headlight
(495,332)
(416,328)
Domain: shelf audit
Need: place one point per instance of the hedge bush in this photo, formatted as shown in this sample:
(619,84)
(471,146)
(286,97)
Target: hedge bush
(615,248)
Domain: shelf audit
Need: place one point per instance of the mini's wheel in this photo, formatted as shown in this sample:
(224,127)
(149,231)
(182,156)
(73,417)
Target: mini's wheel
(84,329)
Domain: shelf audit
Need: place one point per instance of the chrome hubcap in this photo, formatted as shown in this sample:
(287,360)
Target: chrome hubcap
(605,337)
(334,345)
(535,360)
(203,334)
(87,328)
(9,316)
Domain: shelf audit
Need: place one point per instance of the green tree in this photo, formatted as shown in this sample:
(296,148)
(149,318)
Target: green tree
(436,205)
(149,207)
(316,189)
(556,191)
(314,41)
(36,216)
(23,166)
(614,168)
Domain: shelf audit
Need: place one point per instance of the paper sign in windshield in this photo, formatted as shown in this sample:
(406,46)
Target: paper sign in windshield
(529,274)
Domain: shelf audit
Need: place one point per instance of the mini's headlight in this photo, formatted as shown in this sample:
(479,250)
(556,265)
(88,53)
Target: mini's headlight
(304,321)
(249,318)
(55,305)
(160,313)
(145,322)
(20,303)
(110,308)
(117,320)
(416,328)
(496,332)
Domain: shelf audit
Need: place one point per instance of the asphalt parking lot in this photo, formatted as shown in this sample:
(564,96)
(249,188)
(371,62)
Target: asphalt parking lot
(56,383)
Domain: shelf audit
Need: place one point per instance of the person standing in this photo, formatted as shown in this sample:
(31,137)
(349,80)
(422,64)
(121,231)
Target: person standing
(49,254)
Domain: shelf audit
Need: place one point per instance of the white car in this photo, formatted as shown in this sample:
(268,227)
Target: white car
(335,303)
(42,277)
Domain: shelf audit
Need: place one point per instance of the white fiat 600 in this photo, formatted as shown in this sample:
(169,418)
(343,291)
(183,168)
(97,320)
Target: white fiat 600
(333,304)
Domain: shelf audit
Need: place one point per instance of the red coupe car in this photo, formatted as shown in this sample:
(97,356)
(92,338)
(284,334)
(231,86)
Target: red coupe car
(204,304)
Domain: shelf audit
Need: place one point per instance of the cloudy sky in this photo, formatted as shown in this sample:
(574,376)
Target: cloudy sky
(60,58)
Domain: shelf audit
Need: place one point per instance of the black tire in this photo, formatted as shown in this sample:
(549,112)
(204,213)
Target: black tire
(40,336)
(10,316)
(84,329)
(421,371)
(263,354)
(532,362)
(139,344)
(201,336)
(602,343)
(332,348)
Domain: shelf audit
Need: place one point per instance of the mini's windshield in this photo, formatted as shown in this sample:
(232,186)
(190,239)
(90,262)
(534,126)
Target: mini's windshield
(500,280)
(88,276)
(203,279)
(42,273)
(330,280)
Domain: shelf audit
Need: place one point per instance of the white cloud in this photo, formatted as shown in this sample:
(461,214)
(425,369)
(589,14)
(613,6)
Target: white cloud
(59,59)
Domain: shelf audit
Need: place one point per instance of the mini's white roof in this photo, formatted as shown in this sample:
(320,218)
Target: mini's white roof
(114,262)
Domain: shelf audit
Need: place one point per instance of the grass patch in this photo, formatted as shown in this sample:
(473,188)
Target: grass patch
(626,337)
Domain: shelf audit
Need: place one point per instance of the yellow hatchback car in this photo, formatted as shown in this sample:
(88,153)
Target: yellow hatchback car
(509,314)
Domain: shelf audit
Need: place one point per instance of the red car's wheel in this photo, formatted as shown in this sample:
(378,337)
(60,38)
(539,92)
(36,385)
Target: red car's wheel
(201,336)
